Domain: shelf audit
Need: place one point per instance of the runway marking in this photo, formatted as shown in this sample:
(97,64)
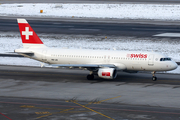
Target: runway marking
(46,112)
(39,104)
(74,101)
(5,116)
(168,35)
(99,102)
(93,110)
(26,106)
(71,101)
(110,109)
(173,113)
(55,113)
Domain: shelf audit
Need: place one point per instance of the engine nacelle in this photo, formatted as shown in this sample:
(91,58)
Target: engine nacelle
(107,73)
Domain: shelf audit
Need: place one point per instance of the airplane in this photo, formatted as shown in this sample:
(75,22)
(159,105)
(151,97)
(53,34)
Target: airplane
(103,63)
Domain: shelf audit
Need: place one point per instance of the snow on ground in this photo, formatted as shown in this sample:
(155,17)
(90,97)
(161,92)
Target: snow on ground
(11,41)
(121,11)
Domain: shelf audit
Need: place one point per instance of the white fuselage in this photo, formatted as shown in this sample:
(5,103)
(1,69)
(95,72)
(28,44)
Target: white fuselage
(123,60)
(104,63)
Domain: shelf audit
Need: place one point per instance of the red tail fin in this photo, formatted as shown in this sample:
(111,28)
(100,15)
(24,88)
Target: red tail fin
(28,35)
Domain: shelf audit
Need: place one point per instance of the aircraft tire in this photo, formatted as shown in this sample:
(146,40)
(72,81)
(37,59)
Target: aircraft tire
(154,78)
(90,77)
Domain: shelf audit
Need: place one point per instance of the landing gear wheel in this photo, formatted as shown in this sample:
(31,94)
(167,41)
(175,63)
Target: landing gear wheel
(90,77)
(154,78)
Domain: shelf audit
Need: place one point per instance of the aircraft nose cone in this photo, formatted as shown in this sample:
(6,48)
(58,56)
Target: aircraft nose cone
(174,65)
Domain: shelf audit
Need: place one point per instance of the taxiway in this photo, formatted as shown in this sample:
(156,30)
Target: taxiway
(51,93)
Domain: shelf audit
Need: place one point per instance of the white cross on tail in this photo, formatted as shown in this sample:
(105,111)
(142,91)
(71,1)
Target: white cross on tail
(27,33)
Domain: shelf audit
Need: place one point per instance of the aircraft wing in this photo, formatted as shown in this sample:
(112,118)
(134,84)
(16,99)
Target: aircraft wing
(27,54)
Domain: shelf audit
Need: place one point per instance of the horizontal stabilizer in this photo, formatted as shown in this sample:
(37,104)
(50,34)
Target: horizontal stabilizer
(24,52)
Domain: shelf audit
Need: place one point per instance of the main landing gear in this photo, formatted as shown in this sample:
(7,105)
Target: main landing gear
(154,78)
(90,76)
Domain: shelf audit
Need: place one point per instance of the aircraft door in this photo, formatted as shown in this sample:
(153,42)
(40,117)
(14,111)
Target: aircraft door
(151,60)
(44,55)
(106,58)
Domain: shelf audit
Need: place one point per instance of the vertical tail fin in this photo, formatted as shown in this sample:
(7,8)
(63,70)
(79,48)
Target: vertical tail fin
(28,36)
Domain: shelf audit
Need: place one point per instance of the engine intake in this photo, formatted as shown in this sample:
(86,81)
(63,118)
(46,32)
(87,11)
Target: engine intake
(107,73)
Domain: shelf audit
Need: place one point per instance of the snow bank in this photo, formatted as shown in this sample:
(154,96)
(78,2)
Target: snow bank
(121,11)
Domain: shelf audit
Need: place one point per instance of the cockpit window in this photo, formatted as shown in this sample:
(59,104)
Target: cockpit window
(165,59)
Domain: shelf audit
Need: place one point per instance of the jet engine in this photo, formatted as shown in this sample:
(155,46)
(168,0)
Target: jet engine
(107,73)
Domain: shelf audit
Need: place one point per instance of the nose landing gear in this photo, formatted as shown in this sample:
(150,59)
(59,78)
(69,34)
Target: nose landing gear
(154,78)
